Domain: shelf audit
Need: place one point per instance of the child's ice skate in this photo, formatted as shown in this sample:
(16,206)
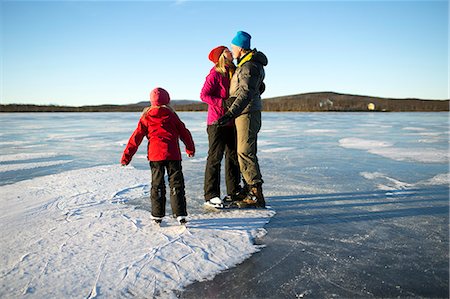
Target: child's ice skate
(182,220)
(156,220)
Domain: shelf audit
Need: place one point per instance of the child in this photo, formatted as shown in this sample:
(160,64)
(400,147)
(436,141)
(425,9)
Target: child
(163,128)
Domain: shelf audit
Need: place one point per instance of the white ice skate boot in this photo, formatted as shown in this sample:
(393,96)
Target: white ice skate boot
(214,202)
(182,220)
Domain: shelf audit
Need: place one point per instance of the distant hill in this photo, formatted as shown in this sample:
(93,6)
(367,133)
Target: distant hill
(179,105)
(173,102)
(316,101)
(331,101)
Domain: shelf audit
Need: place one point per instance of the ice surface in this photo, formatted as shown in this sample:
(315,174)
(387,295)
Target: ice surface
(79,226)
(366,244)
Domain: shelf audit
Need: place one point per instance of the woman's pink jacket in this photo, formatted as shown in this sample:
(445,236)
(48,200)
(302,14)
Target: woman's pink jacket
(215,90)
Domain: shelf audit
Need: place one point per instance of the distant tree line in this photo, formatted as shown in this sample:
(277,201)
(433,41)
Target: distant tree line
(100,108)
(330,101)
(321,101)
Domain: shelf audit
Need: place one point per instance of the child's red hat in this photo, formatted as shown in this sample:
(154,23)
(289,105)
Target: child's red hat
(159,96)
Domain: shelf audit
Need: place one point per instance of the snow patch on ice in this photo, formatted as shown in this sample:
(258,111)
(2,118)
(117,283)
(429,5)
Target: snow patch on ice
(67,137)
(262,143)
(388,183)
(375,125)
(23,166)
(14,144)
(269,130)
(424,155)
(358,143)
(414,129)
(197,160)
(320,131)
(72,235)
(432,134)
(277,149)
(26,156)
(372,175)
(140,156)
(128,193)
(440,179)
(428,140)
(386,149)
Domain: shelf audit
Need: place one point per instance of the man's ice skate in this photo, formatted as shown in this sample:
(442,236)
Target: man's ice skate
(238,196)
(214,202)
(254,199)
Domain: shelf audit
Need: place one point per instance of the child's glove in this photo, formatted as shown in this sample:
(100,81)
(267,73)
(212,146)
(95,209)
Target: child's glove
(190,153)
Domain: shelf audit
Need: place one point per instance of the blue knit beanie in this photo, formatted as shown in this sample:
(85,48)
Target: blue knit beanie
(242,40)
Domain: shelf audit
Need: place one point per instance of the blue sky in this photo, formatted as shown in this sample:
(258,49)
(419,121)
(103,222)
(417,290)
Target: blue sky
(97,52)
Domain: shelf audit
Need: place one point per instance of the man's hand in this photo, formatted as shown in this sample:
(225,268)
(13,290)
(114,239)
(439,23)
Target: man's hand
(224,120)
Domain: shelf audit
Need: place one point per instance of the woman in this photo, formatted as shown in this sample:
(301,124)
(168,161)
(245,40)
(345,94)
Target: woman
(222,139)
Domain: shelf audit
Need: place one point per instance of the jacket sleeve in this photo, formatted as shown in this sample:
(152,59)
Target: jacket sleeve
(185,136)
(209,87)
(134,142)
(248,88)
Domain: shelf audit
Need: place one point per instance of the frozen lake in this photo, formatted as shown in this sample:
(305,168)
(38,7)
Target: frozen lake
(342,185)
(325,151)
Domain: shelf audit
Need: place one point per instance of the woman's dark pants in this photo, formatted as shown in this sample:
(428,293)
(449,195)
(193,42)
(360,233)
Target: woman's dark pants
(222,140)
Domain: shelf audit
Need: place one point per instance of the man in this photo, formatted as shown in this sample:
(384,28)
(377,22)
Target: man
(245,106)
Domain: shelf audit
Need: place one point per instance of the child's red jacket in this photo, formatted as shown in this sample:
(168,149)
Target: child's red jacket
(163,129)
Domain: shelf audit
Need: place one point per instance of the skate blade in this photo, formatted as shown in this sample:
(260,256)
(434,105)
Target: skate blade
(244,205)
(214,206)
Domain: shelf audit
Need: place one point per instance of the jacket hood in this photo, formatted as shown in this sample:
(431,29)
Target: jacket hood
(157,114)
(260,57)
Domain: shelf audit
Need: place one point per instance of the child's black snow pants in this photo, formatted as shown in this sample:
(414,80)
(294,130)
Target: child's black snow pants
(158,190)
